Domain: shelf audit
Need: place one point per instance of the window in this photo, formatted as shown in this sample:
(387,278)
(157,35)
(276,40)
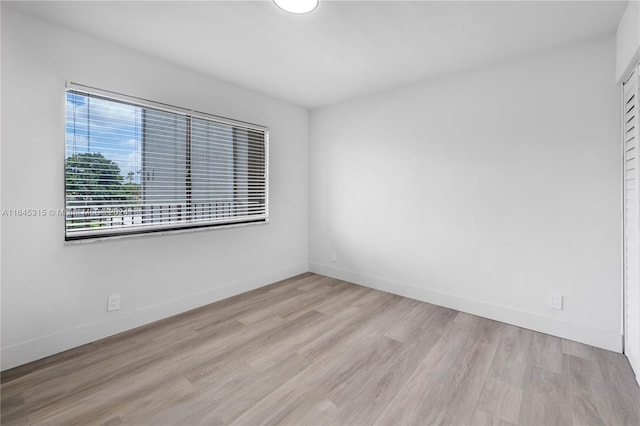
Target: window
(134,166)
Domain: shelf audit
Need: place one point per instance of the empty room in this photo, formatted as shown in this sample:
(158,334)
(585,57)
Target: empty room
(329,212)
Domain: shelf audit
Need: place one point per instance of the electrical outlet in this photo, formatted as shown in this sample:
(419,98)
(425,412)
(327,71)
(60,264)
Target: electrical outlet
(555,301)
(333,256)
(113,303)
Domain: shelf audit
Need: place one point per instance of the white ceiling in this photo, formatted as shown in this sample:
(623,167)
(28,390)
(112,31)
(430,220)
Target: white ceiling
(343,49)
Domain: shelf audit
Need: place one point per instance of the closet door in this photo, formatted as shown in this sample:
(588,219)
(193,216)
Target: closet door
(631,222)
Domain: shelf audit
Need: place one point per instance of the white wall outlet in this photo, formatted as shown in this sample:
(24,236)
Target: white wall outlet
(333,256)
(113,303)
(555,301)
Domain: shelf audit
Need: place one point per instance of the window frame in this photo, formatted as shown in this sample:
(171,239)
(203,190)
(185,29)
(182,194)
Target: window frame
(162,229)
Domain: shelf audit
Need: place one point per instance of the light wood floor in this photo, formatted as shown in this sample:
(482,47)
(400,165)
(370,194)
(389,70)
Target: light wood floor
(314,350)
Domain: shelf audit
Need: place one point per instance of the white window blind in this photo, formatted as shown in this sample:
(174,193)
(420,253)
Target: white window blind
(135,166)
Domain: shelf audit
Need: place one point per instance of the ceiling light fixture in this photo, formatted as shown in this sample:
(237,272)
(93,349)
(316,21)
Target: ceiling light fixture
(297,6)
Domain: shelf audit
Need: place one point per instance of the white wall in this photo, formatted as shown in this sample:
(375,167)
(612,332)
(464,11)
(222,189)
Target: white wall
(483,191)
(54,295)
(627,57)
(628,40)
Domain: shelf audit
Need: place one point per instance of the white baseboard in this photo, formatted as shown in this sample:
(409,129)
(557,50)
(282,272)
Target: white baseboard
(41,347)
(605,339)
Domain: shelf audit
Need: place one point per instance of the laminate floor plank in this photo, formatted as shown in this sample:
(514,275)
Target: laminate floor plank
(313,350)
(331,338)
(121,375)
(304,300)
(500,400)
(312,383)
(464,387)
(344,296)
(346,354)
(317,282)
(617,387)
(264,359)
(483,418)
(437,380)
(360,402)
(541,409)
(406,328)
(512,356)
(546,352)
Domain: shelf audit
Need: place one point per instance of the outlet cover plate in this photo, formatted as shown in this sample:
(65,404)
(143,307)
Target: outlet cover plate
(113,303)
(555,301)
